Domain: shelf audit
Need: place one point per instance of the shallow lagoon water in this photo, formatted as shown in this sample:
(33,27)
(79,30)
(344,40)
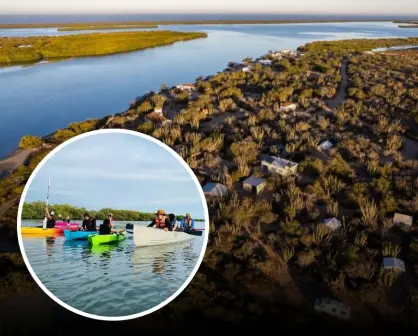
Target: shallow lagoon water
(113,280)
(40,99)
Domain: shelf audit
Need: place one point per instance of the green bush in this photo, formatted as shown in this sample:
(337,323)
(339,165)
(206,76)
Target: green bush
(29,141)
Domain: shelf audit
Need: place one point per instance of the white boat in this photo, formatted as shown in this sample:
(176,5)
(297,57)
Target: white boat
(148,236)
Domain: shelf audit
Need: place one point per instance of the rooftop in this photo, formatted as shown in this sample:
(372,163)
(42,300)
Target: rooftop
(218,189)
(279,162)
(335,303)
(254,181)
(393,263)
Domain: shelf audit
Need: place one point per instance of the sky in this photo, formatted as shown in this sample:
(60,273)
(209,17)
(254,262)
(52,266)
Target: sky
(369,7)
(119,171)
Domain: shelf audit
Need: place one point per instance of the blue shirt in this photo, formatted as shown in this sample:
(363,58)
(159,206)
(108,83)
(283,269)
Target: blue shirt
(186,226)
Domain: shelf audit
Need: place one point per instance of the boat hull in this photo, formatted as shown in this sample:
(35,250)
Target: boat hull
(78,235)
(97,239)
(147,236)
(57,231)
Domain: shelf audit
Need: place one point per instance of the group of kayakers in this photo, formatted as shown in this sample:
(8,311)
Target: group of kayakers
(161,221)
(169,223)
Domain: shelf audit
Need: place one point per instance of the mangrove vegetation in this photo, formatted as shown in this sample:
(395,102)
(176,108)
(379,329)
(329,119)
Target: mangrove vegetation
(32,49)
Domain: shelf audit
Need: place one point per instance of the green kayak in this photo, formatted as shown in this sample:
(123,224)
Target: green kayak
(106,239)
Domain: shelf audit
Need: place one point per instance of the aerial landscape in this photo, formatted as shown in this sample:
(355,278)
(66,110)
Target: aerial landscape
(303,133)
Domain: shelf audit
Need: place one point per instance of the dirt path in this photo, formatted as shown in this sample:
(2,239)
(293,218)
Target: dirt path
(6,206)
(9,164)
(341,95)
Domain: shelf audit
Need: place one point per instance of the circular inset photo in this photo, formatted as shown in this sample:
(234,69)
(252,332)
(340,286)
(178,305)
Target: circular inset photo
(113,224)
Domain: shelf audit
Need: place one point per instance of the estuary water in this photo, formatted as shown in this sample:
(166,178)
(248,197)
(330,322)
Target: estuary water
(111,280)
(39,99)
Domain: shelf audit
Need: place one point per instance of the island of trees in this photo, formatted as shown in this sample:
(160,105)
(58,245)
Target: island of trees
(316,156)
(36,210)
(32,49)
(105,26)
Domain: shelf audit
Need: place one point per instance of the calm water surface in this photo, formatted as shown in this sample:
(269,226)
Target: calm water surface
(39,99)
(113,280)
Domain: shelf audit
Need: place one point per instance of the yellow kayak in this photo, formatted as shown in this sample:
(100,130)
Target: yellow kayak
(40,231)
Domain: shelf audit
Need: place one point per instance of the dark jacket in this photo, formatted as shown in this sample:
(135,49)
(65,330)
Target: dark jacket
(50,223)
(104,229)
(89,224)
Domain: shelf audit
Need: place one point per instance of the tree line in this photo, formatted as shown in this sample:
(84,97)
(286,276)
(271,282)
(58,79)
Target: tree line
(36,210)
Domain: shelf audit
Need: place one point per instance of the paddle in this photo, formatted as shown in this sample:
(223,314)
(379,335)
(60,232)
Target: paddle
(47,200)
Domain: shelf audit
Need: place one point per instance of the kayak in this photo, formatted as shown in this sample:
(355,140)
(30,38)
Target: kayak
(66,225)
(103,248)
(56,231)
(97,239)
(148,236)
(39,231)
(74,235)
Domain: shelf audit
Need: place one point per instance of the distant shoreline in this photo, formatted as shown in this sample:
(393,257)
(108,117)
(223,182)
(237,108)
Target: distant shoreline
(176,22)
(110,27)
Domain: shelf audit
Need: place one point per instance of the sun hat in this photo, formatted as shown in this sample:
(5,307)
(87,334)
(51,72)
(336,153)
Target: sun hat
(160,212)
(110,214)
(52,213)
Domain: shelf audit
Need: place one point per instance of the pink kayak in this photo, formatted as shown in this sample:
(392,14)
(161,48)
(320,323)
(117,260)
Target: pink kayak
(66,225)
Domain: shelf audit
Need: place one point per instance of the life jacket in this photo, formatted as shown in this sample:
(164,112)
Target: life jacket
(160,223)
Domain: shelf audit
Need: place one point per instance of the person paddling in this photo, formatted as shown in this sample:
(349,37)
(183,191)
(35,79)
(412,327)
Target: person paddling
(161,221)
(50,216)
(187,223)
(89,224)
(173,221)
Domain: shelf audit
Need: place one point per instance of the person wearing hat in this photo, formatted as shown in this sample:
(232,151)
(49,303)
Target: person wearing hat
(161,221)
(50,219)
(187,223)
(89,224)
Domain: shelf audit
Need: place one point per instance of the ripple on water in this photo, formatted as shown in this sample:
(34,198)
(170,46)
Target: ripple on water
(111,281)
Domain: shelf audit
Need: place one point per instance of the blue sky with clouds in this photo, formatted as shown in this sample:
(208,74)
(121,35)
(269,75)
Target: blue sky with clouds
(119,171)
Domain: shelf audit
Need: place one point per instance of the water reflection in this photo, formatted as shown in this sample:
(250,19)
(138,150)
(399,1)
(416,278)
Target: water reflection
(49,246)
(162,259)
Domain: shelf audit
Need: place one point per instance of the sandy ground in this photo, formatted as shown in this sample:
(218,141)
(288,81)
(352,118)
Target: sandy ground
(9,164)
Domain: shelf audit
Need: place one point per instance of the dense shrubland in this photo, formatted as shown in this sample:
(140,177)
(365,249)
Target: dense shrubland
(31,49)
(277,240)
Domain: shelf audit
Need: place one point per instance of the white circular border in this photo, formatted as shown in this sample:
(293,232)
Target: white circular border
(162,304)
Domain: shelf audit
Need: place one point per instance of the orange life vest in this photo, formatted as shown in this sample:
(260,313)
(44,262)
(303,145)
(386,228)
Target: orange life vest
(160,223)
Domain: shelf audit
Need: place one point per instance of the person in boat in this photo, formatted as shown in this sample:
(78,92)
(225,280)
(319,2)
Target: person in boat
(173,221)
(110,216)
(161,221)
(106,227)
(89,224)
(67,220)
(50,219)
(187,223)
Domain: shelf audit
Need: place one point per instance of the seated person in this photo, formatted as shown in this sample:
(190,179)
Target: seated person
(187,223)
(173,221)
(161,221)
(106,228)
(89,224)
